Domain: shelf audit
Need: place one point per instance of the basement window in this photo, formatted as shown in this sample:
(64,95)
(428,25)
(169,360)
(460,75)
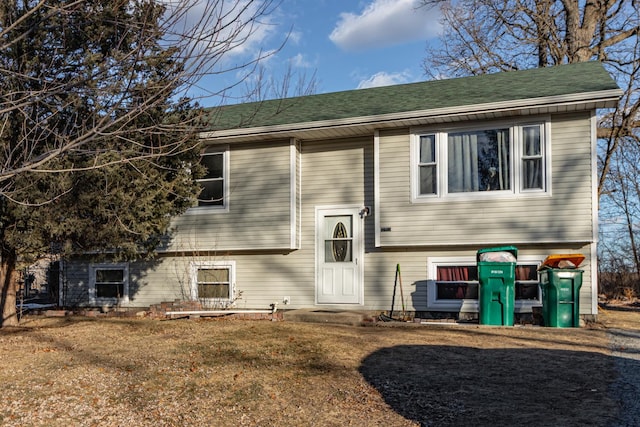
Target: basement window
(109,283)
(213,283)
(454,284)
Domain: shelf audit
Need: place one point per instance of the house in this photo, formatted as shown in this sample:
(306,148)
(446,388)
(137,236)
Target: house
(315,201)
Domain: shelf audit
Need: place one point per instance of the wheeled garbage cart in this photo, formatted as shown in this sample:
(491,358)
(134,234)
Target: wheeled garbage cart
(496,291)
(561,281)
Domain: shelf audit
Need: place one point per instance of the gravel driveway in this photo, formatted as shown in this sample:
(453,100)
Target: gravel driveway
(625,345)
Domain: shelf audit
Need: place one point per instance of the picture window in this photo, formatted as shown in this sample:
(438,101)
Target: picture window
(501,160)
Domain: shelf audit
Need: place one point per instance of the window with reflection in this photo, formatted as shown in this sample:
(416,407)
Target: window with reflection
(457,282)
(213,182)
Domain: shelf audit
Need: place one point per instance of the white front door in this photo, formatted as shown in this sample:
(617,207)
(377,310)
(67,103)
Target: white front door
(339,253)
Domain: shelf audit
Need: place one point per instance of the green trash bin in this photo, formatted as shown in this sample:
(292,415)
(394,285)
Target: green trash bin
(561,297)
(496,291)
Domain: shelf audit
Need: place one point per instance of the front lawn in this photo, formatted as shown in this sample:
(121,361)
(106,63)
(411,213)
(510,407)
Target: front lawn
(117,372)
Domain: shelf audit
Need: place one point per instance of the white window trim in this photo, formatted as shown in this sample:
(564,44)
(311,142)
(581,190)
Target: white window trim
(470,305)
(217,302)
(515,136)
(205,210)
(93,299)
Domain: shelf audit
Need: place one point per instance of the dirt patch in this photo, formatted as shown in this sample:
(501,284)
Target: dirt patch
(103,372)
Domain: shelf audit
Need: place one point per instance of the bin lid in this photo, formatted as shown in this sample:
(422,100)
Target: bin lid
(555,260)
(511,249)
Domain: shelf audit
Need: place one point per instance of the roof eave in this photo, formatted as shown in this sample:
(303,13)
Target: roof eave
(576,102)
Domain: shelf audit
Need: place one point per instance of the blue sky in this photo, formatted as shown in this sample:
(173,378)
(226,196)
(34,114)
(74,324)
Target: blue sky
(344,44)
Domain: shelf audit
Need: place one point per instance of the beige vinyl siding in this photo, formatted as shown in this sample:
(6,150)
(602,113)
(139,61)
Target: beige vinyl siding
(262,279)
(74,283)
(259,205)
(331,173)
(298,195)
(564,215)
(380,274)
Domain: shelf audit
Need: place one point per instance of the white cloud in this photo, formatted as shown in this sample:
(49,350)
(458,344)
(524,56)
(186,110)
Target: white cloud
(300,61)
(295,37)
(229,29)
(386,23)
(385,79)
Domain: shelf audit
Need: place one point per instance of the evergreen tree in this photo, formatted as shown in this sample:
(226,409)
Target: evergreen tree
(95,151)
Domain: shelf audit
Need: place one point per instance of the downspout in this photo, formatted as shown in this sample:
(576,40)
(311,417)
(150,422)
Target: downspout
(61,285)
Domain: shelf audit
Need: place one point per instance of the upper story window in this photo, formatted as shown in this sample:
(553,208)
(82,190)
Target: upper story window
(478,161)
(470,162)
(215,181)
(428,165)
(533,165)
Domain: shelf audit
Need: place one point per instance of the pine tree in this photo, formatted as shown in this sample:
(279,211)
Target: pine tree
(96,152)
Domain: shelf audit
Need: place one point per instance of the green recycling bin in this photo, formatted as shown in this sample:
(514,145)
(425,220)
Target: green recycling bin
(496,291)
(561,297)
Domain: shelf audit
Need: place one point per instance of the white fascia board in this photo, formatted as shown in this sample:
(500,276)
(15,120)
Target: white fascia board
(606,98)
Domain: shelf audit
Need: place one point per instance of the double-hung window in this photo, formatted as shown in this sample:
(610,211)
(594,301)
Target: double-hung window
(533,164)
(428,165)
(109,283)
(502,159)
(214,183)
(213,283)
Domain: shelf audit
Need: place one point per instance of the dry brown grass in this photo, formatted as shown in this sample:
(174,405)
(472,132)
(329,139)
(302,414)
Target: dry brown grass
(104,372)
(621,315)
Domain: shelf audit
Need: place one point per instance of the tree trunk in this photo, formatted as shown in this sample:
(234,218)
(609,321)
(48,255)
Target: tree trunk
(9,282)
(542,19)
(581,28)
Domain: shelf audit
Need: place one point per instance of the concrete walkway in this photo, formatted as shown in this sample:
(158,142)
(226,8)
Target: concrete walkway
(338,317)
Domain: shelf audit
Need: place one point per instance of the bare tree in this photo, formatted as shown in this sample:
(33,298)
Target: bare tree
(485,36)
(620,230)
(199,35)
(262,86)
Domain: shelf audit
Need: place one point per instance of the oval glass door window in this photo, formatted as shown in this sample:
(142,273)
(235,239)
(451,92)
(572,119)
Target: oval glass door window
(337,243)
(340,247)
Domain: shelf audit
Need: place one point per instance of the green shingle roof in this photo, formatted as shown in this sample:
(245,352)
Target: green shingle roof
(535,83)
